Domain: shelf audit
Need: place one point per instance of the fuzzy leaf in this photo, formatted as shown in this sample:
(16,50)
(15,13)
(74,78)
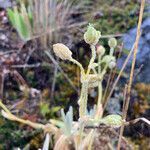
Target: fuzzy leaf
(112,120)
(67,120)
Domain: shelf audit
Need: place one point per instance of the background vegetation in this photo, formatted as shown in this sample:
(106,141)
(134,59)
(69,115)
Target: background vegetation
(36,87)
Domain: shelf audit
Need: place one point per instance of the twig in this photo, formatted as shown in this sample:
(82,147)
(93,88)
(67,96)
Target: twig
(137,120)
(112,35)
(2,78)
(137,72)
(32,65)
(19,78)
(54,82)
(31,51)
(61,70)
(133,63)
(27,66)
(111,76)
(107,87)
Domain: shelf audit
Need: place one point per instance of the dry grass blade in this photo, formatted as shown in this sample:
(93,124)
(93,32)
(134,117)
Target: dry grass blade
(2,76)
(51,17)
(111,77)
(133,64)
(61,70)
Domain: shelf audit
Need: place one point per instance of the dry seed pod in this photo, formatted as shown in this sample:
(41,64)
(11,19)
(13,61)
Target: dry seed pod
(62,51)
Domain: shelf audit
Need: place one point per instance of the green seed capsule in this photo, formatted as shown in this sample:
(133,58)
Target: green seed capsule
(112,42)
(92,36)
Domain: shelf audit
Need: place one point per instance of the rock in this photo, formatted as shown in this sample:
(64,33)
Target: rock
(143,55)
(5,3)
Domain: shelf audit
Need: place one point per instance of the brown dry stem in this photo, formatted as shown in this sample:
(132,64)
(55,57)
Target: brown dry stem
(132,68)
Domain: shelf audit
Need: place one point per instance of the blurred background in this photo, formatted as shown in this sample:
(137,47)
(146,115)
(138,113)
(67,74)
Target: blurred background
(36,85)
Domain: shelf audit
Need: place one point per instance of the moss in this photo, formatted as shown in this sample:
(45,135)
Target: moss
(115,16)
(141,105)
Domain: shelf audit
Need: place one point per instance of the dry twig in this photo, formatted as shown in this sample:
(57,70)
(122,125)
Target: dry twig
(132,69)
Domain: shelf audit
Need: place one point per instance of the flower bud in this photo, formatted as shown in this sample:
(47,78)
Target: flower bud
(112,64)
(62,51)
(101,50)
(112,42)
(92,36)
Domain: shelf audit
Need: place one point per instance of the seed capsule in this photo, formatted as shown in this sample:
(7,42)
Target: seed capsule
(112,42)
(92,36)
(62,51)
(101,50)
(112,64)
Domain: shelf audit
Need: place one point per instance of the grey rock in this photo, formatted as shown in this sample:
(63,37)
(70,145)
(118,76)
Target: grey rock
(114,106)
(143,55)
(5,3)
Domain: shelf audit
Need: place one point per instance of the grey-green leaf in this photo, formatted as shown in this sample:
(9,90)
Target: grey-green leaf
(112,120)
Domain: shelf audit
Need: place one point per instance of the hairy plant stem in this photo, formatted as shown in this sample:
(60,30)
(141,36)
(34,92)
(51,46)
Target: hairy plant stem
(79,65)
(84,79)
(92,59)
(83,99)
(99,101)
(111,51)
(84,91)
